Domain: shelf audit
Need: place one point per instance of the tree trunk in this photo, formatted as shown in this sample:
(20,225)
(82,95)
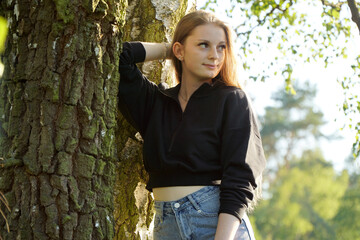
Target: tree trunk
(58,117)
(148,21)
(59,134)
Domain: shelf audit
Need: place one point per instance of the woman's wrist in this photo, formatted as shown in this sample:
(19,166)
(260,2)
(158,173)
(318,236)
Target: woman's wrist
(157,51)
(227,227)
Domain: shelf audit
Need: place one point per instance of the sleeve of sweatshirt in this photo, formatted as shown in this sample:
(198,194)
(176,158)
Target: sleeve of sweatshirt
(242,156)
(136,93)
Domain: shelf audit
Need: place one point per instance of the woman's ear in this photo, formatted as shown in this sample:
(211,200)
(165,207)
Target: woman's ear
(178,50)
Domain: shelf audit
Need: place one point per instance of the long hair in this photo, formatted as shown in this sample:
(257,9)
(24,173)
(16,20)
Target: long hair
(228,73)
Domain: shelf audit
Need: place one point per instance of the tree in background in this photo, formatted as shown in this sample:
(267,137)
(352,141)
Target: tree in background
(291,124)
(305,192)
(287,26)
(304,199)
(346,226)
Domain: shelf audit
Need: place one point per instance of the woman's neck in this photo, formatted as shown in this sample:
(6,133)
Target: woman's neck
(187,87)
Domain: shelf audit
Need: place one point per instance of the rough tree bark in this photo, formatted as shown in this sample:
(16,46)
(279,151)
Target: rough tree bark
(59,133)
(58,117)
(149,21)
(354,13)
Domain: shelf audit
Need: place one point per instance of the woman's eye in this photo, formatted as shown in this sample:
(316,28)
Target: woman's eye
(222,47)
(203,45)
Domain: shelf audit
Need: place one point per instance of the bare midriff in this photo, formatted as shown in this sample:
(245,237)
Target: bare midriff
(174,193)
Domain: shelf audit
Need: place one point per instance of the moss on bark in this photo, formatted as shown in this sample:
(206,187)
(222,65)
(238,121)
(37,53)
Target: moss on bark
(58,117)
(59,126)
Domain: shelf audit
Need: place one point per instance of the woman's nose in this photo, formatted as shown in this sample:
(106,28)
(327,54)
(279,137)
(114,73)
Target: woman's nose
(213,53)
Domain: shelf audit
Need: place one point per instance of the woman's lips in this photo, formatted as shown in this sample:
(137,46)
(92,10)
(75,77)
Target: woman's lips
(211,66)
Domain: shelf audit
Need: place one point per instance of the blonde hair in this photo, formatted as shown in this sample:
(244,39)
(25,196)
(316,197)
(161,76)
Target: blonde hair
(187,24)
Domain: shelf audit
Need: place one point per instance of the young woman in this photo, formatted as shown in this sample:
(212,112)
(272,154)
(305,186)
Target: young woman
(202,148)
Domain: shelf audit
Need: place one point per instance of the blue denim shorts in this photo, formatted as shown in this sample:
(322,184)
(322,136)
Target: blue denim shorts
(194,217)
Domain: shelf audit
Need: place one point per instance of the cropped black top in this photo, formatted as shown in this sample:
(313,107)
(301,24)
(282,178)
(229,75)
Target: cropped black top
(215,138)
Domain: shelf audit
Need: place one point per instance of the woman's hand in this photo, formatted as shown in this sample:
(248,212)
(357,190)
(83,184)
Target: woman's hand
(227,227)
(156,51)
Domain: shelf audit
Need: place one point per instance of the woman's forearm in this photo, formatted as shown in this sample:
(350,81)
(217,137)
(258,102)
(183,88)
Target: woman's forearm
(156,51)
(227,227)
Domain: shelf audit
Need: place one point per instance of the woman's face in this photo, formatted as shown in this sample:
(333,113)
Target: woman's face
(203,53)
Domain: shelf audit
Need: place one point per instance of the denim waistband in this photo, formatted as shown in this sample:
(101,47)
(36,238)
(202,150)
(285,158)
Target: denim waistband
(191,199)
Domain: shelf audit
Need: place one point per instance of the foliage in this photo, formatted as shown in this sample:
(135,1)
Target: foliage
(293,119)
(346,226)
(351,105)
(3,34)
(305,199)
(288,28)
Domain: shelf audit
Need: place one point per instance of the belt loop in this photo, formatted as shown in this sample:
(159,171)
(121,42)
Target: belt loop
(193,202)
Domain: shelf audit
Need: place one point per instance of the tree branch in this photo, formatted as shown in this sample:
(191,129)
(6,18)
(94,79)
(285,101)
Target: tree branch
(262,21)
(354,13)
(333,5)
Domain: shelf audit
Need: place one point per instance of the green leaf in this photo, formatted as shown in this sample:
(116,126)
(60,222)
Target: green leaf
(3,33)
(335,13)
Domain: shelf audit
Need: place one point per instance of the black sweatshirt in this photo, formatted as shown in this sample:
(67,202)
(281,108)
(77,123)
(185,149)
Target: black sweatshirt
(215,138)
